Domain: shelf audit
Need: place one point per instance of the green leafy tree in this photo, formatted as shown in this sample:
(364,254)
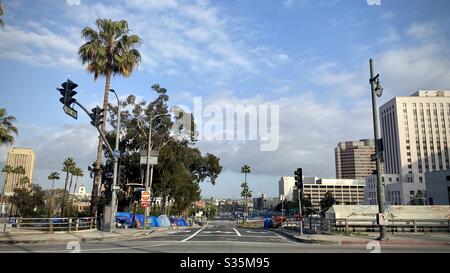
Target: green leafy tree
(7,129)
(68,166)
(327,202)
(110,50)
(420,199)
(29,201)
(181,167)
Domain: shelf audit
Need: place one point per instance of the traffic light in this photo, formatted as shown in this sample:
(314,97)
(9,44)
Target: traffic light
(97,116)
(67,93)
(122,175)
(299,178)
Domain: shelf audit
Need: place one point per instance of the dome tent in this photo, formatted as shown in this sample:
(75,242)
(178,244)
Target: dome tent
(163,221)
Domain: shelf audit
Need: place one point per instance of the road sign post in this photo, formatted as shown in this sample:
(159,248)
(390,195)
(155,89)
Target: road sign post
(382,219)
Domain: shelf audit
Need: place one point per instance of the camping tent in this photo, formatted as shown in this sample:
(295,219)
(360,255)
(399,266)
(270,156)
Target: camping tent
(164,221)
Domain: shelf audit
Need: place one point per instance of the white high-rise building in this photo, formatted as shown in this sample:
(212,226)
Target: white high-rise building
(286,187)
(416,132)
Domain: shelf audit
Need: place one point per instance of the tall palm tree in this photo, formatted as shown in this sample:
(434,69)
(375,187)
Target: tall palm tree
(6,128)
(7,170)
(68,166)
(52,176)
(108,51)
(78,173)
(246,193)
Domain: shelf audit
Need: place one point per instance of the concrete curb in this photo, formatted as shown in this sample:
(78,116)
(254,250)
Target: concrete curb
(302,240)
(83,240)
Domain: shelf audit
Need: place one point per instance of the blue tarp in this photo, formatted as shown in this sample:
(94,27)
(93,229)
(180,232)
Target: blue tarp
(154,222)
(124,218)
(268,223)
(182,223)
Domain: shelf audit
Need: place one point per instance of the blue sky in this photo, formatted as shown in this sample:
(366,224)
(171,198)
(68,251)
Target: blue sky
(310,57)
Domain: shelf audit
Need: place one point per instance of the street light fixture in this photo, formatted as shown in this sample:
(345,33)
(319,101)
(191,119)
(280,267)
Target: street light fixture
(377,90)
(149,170)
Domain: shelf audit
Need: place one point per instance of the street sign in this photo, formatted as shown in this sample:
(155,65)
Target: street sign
(145,196)
(382,219)
(153,160)
(145,204)
(71,112)
(152,153)
(116,154)
(116,188)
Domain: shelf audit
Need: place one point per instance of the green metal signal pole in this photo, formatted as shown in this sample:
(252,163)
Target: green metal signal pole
(376,91)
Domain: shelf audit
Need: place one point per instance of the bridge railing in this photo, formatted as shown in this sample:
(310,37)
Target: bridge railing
(48,225)
(354,225)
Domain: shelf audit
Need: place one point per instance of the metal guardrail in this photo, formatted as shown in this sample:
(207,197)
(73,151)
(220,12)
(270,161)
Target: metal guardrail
(49,225)
(353,225)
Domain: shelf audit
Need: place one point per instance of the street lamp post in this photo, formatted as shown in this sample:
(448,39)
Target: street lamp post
(112,221)
(377,90)
(149,167)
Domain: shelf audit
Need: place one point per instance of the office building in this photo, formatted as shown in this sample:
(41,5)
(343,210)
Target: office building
(415,132)
(345,191)
(438,187)
(286,187)
(16,157)
(398,190)
(353,159)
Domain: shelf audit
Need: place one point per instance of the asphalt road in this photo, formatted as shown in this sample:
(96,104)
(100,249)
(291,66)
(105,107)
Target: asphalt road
(216,237)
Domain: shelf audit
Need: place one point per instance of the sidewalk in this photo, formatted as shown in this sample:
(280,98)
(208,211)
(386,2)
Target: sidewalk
(393,240)
(81,236)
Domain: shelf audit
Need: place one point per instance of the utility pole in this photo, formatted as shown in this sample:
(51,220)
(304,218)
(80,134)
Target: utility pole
(377,90)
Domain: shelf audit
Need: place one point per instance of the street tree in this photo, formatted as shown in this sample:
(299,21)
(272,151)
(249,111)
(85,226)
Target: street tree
(52,176)
(68,166)
(246,193)
(181,166)
(327,202)
(110,50)
(7,129)
(29,201)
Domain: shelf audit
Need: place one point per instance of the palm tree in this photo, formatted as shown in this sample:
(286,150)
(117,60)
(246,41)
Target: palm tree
(68,166)
(1,14)
(78,173)
(246,193)
(52,176)
(7,170)
(107,52)
(6,128)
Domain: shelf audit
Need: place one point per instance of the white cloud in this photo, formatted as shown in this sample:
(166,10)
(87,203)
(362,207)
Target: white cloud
(38,46)
(421,31)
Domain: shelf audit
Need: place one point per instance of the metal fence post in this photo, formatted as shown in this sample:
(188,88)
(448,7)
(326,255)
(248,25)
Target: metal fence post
(70,224)
(346,225)
(77,222)
(415,225)
(51,227)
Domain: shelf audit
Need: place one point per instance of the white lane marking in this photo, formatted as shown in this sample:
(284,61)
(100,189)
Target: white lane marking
(88,250)
(193,235)
(237,232)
